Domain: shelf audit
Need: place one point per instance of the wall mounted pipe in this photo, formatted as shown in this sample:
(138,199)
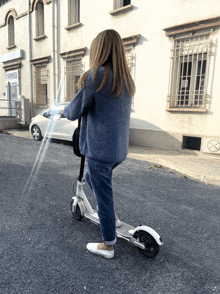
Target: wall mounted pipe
(30,58)
(54,53)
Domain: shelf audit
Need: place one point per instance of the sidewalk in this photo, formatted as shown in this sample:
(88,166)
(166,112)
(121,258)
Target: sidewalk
(199,166)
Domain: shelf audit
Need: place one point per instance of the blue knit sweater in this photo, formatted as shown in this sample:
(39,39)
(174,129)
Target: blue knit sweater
(104,133)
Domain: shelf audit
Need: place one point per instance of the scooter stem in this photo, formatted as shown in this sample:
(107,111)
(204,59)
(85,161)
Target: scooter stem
(79,188)
(80,193)
(81,168)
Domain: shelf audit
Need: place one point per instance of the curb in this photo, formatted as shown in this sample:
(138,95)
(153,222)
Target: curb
(18,133)
(206,179)
(209,178)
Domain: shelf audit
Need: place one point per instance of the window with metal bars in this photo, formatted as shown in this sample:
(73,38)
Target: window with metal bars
(41,85)
(129,56)
(74,12)
(11,37)
(189,72)
(40,19)
(73,71)
(121,3)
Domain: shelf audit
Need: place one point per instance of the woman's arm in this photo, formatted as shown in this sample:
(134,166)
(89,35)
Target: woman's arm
(79,104)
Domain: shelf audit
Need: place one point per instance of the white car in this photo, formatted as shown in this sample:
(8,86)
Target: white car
(61,128)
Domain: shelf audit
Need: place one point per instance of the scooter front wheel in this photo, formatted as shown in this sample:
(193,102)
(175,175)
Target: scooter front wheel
(151,246)
(77,214)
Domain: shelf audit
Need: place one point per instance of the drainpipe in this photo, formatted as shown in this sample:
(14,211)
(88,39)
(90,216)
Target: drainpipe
(30,58)
(54,53)
(58,49)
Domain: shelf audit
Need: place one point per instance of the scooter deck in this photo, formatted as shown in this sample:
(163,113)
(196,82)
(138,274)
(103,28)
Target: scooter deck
(122,230)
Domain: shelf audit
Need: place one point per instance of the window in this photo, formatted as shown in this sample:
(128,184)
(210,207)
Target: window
(129,54)
(129,57)
(74,15)
(40,19)
(41,89)
(73,72)
(54,111)
(121,3)
(189,72)
(192,60)
(11,38)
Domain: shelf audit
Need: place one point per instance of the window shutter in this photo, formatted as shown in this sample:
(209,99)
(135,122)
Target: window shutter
(76,11)
(73,11)
(118,4)
(129,57)
(37,21)
(40,19)
(70,5)
(73,72)
(41,77)
(11,31)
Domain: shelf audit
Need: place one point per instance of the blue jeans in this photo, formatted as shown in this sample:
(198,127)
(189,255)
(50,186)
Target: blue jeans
(99,178)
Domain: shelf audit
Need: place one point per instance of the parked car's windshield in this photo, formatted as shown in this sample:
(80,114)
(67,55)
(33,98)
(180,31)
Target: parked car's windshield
(56,110)
(45,111)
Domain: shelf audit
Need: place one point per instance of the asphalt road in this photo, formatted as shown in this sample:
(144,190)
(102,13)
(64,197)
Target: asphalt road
(43,249)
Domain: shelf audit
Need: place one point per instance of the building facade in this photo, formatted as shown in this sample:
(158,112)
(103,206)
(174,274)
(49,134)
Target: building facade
(171,48)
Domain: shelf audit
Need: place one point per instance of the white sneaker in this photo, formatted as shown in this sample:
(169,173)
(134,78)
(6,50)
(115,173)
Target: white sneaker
(93,247)
(117,221)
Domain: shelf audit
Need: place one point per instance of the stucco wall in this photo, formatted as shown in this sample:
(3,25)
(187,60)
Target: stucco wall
(153,65)
(151,57)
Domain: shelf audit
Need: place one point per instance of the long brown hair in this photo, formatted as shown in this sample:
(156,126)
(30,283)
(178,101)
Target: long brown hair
(107,50)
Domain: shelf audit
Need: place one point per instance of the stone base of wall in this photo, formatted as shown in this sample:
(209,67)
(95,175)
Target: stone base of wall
(171,141)
(156,139)
(210,145)
(8,123)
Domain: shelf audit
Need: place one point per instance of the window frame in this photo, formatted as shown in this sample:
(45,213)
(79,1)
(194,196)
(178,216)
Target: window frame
(76,64)
(120,3)
(187,80)
(73,12)
(39,15)
(70,56)
(38,69)
(11,32)
(130,58)
(119,7)
(185,58)
(187,30)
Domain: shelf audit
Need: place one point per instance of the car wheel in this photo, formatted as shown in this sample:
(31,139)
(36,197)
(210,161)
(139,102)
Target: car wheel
(36,133)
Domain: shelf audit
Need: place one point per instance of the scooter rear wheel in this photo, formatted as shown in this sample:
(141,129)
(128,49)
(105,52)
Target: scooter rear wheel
(77,214)
(151,246)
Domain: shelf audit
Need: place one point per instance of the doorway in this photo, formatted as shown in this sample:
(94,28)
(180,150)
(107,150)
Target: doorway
(12,84)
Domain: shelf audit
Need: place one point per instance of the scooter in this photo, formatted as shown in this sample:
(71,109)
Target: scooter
(145,238)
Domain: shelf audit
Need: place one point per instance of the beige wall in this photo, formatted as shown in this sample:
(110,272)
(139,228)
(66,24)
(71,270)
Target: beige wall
(151,59)
(21,42)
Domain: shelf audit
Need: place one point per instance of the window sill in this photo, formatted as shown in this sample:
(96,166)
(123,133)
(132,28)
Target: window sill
(40,38)
(121,9)
(186,109)
(73,26)
(11,47)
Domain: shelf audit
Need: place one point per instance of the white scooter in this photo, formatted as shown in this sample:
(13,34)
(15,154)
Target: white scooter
(146,239)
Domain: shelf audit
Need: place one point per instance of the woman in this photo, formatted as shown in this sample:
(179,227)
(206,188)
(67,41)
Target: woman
(104,102)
